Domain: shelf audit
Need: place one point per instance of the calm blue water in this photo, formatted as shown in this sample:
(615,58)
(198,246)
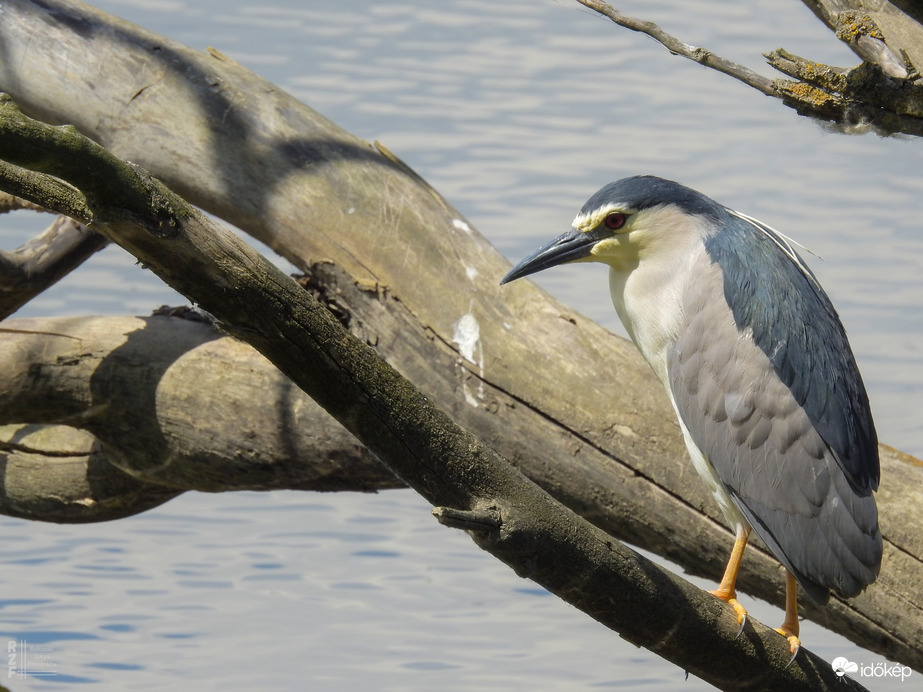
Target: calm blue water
(516,112)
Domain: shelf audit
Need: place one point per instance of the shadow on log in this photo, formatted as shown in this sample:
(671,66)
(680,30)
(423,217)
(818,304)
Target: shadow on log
(60,474)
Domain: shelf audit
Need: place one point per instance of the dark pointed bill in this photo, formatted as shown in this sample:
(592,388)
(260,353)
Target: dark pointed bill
(567,247)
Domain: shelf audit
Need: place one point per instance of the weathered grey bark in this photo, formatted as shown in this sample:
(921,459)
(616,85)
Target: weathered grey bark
(476,489)
(878,31)
(43,261)
(175,404)
(241,148)
(59,473)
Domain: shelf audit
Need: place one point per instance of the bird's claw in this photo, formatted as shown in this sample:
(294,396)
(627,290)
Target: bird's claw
(794,644)
(795,650)
(741,615)
(731,600)
(742,619)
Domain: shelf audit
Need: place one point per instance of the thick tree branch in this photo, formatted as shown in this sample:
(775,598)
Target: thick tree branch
(536,536)
(43,261)
(10,203)
(172,402)
(702,56)
(61,474)
(888,34)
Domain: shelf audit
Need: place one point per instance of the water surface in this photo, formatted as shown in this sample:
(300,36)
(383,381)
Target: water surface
(516,112)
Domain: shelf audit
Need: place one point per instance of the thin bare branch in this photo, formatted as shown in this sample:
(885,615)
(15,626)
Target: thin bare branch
(881,94)
(702,56)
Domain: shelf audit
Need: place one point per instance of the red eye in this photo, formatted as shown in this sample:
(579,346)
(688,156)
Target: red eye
(615,220)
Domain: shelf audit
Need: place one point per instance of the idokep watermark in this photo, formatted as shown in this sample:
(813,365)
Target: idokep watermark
(29,660)
(843,666)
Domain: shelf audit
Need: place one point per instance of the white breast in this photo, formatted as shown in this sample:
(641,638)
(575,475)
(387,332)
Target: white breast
(649,303)
(649,300)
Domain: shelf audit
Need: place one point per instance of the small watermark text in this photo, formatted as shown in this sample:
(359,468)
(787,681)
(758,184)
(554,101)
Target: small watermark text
(29,660)
(895,671)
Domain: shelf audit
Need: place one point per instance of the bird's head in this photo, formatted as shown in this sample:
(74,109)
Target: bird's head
(622,222)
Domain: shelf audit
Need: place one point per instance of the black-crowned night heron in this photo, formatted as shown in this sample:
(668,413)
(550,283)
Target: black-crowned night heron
(758,369)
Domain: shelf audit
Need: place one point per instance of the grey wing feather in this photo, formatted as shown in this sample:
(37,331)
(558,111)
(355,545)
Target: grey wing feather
(778,470)
(771,292)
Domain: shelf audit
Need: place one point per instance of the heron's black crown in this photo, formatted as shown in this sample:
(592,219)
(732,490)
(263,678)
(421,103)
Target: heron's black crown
(646,191)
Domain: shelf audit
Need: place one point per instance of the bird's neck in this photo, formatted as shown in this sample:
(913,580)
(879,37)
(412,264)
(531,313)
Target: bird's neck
(649,303)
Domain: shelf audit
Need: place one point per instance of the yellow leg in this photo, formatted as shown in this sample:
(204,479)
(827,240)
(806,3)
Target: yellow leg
(727,590)
(790,627)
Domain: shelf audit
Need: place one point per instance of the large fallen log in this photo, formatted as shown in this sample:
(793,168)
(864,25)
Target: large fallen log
(411,276)
(473,487)
(175,404)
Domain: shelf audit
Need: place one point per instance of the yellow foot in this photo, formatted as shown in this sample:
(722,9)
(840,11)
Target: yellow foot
(794,643)
(730,597)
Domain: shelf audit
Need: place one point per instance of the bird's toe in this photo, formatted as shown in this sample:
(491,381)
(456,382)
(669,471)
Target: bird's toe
(731,599)
(794,643)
